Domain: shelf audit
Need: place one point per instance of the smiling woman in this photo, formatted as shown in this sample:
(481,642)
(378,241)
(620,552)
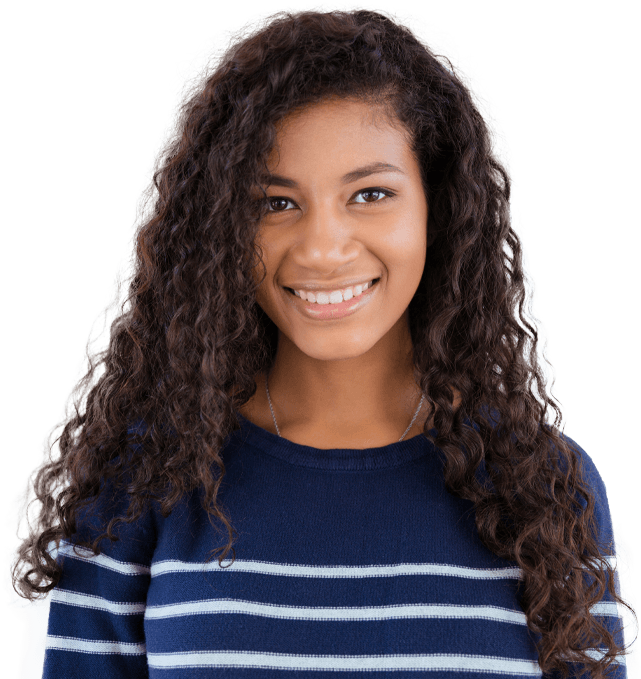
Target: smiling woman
(325,348)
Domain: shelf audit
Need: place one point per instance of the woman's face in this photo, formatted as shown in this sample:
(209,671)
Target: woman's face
(347,206)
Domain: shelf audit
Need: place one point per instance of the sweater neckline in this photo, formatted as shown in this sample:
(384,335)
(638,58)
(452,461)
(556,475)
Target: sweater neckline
(338,459)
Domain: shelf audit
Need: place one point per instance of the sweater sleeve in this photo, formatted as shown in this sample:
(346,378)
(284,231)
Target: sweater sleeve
(606,611)
(95,626)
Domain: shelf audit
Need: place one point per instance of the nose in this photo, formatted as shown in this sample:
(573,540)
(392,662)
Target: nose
(327,238)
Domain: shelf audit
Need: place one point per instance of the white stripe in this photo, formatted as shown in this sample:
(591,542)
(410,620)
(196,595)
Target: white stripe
(293,570)
(605,608)
(87,646)
(102,560)
(283,661)
(64,596)
(211,606)
(597,654)
(214,606)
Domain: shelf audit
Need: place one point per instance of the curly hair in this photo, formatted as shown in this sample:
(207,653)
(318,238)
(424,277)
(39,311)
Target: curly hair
(190,339)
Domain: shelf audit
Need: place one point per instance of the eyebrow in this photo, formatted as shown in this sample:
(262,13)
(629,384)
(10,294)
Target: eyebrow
(354,175)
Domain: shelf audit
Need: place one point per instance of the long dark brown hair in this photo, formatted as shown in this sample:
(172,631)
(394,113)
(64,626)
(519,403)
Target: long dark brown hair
(190,339)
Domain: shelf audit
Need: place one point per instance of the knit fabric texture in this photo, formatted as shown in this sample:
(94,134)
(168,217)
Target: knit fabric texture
(349,563)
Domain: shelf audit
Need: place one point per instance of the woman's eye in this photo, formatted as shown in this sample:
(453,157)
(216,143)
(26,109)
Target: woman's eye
(381,192)
(270,201)
(282,200)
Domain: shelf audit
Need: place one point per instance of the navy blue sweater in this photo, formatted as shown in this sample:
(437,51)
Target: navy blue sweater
(347,561)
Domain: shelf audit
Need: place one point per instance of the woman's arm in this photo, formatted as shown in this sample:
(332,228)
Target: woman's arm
(97,609)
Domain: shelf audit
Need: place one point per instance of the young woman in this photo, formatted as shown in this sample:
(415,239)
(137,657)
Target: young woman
(326,379)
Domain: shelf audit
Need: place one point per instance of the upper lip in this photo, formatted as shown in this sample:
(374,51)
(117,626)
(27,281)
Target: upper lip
(315,287)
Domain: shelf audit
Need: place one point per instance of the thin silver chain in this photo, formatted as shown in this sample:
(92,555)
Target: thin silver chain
(402,437)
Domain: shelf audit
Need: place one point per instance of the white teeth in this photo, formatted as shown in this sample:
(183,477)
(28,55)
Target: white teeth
(333,297)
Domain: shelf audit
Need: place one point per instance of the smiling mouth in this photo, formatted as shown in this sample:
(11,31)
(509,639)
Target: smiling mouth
(292,292)
(333,312)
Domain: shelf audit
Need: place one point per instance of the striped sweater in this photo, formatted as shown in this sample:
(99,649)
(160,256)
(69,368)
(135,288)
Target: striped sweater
(347,561)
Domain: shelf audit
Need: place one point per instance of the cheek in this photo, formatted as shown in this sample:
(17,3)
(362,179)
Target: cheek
(404,251)
(264,292)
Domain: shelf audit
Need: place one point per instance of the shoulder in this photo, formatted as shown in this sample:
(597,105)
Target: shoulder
(593,481)
(115,511)
(587,467)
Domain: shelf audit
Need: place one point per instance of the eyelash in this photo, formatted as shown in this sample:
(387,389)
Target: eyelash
(373,189)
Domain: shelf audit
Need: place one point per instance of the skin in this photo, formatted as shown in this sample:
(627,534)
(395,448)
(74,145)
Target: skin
(346,383)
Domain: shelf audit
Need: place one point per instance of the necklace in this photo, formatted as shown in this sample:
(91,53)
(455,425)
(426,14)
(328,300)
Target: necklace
(402,437)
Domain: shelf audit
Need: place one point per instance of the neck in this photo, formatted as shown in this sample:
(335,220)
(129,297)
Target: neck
(378,387)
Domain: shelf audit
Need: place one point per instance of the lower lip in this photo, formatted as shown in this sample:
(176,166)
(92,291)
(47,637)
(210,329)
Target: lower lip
(329,312)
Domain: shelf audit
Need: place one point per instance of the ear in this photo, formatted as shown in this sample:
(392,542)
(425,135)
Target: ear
(431,236)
